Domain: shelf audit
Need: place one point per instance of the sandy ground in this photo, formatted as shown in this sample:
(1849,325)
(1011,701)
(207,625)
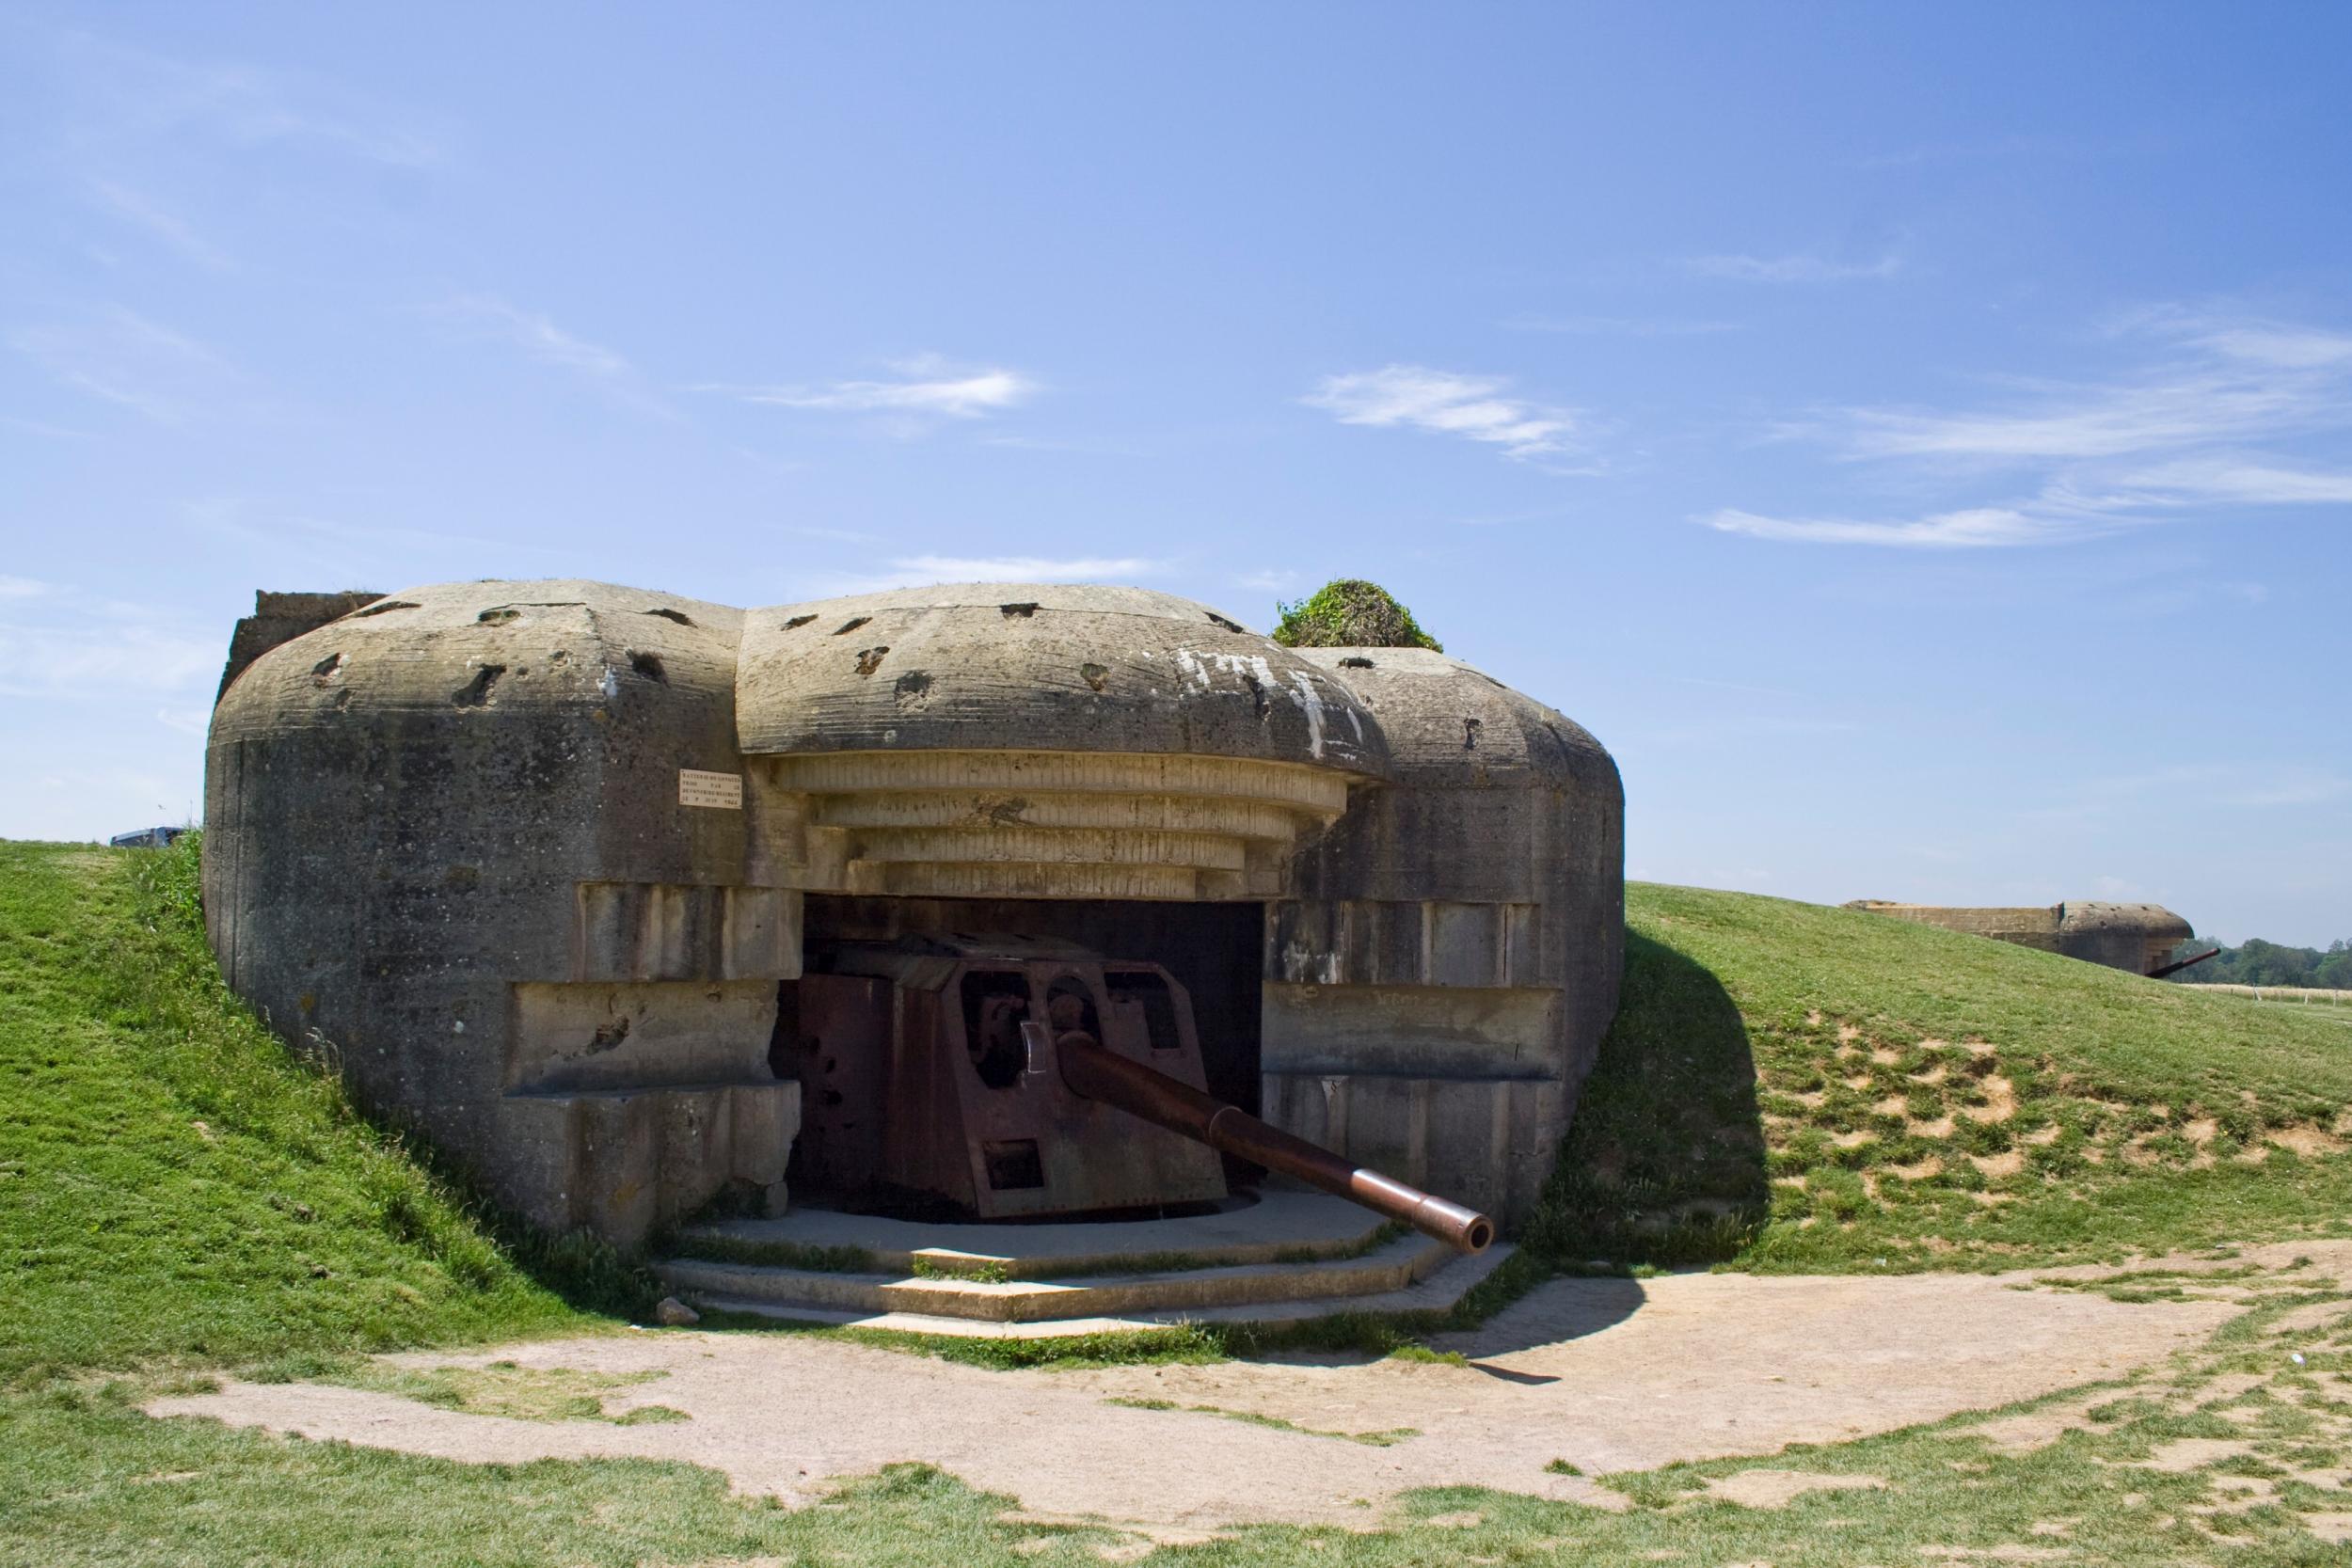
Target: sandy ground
(1703,1367)
(1607,1374)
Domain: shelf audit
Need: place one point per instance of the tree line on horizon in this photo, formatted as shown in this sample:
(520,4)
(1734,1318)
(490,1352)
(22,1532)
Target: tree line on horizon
(2256,962)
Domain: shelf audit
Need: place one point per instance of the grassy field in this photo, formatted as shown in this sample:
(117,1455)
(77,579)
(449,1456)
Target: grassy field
(1790,1087)
(178,1198)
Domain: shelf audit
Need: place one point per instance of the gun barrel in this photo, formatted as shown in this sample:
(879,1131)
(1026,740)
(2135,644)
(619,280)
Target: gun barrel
(2179,965)
(1099,1073)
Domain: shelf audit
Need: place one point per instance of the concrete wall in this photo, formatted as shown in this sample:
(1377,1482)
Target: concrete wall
(1437,989)
(443,844)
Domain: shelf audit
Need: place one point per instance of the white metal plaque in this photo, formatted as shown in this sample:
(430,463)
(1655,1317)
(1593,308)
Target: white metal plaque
(722,791)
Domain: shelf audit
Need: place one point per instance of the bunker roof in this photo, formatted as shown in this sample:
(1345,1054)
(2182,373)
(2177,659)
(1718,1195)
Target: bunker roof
(1045,667)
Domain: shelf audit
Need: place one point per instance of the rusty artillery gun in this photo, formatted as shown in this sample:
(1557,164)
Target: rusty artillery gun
(1016,1078)
(2164,971)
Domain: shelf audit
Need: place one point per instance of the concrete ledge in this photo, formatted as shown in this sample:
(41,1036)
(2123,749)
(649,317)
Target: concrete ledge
(1284,1224)
(1438,1292)
(1394,1267)
(626,1161)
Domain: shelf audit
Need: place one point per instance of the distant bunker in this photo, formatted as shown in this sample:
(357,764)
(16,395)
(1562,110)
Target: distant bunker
(2135,937)
(629,903)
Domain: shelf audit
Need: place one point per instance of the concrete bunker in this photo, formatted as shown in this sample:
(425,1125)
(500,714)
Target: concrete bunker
(601,889)
(2137,938)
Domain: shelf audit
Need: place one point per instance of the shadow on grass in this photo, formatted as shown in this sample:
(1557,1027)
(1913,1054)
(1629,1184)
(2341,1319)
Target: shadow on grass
(1664,1164)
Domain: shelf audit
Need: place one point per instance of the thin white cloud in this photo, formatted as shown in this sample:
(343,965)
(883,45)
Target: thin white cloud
(1618,326)
(540,339)
(927,387)
(174,232)
(119,356)
(1501,519)
(2001,147)
(1271,580)
(1804,267)
(2291,786)
(2229,379)
(2251,784)
(1743,687)
(1445,402)
(2247,480)
(43,428)
(2286,345)
(1727,728)
(917,571)
(1026,568)
(1090,447)
(21,588)
(962,397)
(342,553)
(133,94)
(2082,421)
(76,647)
(1972,529)
(536,336)
(2177,433)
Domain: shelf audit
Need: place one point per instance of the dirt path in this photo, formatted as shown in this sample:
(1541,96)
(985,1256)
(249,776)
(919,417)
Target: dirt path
(1605,1374)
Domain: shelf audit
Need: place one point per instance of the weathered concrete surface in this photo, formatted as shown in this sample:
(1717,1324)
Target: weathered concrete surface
(2135,937)
(1437,989)
(1044,668)
(530,859)
(282,618)
(1027,823)
(443,844)
(1031,740)
(1607,1374)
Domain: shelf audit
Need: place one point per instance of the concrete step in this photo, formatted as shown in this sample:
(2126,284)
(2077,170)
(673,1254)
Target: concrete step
(1438,1292)
(1281,1224)
(1394,1266)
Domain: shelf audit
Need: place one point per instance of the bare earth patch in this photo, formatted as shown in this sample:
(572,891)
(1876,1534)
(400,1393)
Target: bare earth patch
(2308,1320)
(1779,1488)
(1608,1374)
(2309,1141)
(2042,1426)
(2000,1102)
(2195,1453)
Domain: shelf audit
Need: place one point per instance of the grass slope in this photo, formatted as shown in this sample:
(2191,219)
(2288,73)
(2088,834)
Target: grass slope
(1793,1086)
(173,1185)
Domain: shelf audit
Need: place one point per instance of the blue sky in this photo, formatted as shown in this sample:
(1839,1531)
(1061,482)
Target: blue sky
(1918,440)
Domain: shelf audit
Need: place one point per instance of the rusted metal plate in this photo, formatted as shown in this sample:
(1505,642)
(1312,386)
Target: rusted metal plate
(1033,1146)
(844,1058)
